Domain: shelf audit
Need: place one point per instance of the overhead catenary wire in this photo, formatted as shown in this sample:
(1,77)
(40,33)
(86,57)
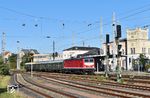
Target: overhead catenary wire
(90,24)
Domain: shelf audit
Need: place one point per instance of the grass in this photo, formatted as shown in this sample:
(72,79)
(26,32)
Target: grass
(4,80)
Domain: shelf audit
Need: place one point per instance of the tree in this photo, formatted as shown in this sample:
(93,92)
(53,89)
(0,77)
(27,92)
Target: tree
(12,61)
(4,69)
(1,60)
(142,61)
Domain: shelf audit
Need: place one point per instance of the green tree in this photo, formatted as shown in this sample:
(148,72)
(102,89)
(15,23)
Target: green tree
(4,69)
(1,60)
(142,61)
(13,61)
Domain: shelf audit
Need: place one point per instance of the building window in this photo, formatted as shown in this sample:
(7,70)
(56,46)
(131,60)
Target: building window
(132,36)
(123,51)
(143,50)
(148,50)
(132,50)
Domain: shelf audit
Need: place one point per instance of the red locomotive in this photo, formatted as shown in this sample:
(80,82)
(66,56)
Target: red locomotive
(79,65)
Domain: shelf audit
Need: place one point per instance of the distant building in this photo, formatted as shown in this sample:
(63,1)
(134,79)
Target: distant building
(27,51)
(46,57)
(79,51)
(7,54)
(67,53)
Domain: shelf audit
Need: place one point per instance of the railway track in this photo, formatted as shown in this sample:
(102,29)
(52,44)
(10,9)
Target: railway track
(84,79)
(126,78)
(109,91)
(134,80)
(29,88)
(113,91)
(46,88)
(132,86)
(50,89)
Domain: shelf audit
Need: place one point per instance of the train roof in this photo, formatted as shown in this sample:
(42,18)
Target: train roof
(45,62)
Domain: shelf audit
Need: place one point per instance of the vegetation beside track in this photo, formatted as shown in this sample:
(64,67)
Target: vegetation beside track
(4,81)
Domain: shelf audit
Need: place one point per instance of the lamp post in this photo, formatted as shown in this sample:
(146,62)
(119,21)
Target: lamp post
(31,57)
(18,56)
(53,54)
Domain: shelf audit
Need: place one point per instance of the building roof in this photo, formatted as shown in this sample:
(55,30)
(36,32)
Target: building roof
(91,52)
(120,40)
(80,48)
(26,51)
(6,53)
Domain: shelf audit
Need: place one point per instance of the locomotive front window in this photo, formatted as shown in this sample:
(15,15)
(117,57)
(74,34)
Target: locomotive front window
(86,60)
(91,60)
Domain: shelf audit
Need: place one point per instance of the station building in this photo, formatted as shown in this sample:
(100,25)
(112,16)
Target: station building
(137,42)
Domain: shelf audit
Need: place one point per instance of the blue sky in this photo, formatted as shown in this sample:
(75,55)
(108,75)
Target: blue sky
(66,21)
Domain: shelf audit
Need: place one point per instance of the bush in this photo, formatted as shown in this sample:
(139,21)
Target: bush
(4,69)
(147,67)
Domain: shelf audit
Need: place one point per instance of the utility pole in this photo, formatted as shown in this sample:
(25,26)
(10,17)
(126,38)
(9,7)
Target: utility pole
(83,43)
(18,56)
(3,46)
(101,36)
(107,55)
(72,39)
(114,40)
(53,50)
(31,57)
(118,29)
(101,30)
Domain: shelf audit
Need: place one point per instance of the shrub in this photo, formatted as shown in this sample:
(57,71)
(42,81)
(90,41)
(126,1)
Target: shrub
(147,67)
(4,69)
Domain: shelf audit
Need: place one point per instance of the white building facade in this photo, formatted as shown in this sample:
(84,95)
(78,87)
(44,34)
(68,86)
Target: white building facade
(136,43)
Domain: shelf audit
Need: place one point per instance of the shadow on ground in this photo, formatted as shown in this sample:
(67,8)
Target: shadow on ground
(2,90)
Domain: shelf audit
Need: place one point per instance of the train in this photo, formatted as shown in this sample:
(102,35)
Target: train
(73,65)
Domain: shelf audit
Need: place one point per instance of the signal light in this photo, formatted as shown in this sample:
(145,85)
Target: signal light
(107,38)
(118,28)
(119,50)
(108,50)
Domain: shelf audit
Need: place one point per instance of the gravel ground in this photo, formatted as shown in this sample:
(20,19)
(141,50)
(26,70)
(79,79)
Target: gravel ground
(81,93)
(25,92)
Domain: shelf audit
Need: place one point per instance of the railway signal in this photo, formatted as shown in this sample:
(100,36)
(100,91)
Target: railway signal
(107,55)
(118,28)
(118,67)
(119,50)
(107,38)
